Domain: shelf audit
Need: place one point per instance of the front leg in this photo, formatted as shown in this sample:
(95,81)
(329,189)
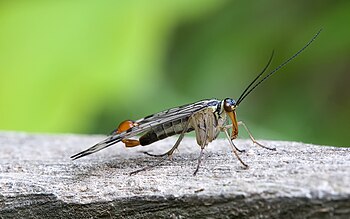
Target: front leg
(233,147)
(224,129)
(237,149)
(251,136)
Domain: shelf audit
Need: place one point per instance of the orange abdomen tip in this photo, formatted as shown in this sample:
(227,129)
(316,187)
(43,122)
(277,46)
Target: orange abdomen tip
(127,124)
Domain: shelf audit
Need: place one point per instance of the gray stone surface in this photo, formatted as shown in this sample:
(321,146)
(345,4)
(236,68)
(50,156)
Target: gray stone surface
(39,180)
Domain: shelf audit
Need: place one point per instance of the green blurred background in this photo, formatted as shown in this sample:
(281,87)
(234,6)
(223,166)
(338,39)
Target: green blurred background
(84,66)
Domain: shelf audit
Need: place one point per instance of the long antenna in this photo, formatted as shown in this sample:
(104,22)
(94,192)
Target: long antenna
(257,77)
(246,93)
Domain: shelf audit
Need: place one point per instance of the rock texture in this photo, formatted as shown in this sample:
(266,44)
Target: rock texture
(39,180)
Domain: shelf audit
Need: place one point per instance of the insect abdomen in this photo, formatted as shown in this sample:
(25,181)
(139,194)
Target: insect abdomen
(163,131)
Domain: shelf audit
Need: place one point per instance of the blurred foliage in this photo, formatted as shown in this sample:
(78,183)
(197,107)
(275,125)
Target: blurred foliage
(84,66)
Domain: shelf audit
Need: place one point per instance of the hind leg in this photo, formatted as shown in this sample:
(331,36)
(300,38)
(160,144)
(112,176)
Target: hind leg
(176,145)
(165,155)
(171,151)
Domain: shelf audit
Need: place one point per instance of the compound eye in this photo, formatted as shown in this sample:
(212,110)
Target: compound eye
(229,105)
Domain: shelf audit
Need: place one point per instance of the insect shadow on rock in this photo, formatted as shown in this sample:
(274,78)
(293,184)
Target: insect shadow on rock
(207,118)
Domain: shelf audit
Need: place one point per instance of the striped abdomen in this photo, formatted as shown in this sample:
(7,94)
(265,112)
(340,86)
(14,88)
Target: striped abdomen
(164,130)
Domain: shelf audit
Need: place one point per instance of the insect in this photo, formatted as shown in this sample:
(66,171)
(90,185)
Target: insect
(207,118)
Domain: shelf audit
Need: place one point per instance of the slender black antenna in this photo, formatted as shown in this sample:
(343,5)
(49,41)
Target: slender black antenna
(246,93)
(257,77)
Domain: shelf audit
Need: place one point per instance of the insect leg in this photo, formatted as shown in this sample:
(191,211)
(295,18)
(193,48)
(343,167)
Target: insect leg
(233,147)
(168,154)
(199,161)
(201,154)
(177,143)
(147,167)
(252,138)
(239,150)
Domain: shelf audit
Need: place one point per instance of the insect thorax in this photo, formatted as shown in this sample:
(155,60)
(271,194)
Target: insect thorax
(207,124)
